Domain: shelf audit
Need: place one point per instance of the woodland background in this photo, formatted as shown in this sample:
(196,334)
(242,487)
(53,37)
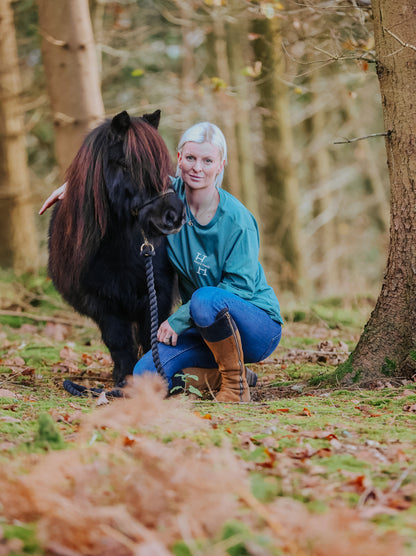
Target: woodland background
(286,81)
(322,461)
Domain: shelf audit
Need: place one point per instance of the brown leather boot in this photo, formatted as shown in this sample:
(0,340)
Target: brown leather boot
(207,381)
(223,339)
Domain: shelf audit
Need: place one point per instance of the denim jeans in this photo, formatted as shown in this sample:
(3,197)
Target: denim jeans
(260,334)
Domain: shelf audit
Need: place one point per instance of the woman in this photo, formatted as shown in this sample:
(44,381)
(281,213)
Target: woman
(229,314)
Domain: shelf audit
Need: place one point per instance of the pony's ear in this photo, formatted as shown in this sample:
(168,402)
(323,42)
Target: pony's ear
(152,119)
(121,123)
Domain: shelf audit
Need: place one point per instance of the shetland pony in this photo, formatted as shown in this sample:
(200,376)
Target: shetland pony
(117,194)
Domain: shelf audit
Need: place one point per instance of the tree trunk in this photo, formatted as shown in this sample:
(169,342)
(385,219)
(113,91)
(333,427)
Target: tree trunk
(388,343)
(322,269)
(228,116)
(73,83)
(283,256)
(237,31)
(18,243)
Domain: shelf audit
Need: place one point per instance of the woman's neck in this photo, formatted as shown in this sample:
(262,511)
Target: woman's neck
(203,203)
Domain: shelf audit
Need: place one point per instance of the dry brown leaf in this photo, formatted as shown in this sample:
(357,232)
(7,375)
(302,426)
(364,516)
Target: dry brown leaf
(102,399)
(9,419)
(56,331)
(4,393)
(68,354)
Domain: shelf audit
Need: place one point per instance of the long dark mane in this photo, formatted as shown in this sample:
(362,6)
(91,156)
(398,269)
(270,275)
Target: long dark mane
(86,209)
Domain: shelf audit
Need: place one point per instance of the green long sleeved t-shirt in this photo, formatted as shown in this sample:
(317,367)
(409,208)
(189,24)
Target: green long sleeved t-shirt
(224,253)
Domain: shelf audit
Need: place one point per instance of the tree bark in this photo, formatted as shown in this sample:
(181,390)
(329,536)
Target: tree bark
(237,31)
(72,77)
(282,227)
(228,119)
(388,343)
(18,243)
(324,237)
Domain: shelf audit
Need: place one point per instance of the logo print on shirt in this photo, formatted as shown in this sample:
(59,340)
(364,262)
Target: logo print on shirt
(202,267)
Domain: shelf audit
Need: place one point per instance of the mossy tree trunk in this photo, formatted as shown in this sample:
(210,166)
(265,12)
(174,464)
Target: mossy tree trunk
(388,343)
(18,243)
(70,60)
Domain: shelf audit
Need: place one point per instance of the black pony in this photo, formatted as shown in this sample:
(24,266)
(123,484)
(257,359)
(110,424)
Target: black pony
(118,193)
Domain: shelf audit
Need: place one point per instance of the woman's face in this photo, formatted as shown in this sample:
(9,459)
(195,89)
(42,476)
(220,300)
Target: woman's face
(200,164)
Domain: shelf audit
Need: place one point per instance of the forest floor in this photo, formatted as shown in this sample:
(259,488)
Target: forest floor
(306,468)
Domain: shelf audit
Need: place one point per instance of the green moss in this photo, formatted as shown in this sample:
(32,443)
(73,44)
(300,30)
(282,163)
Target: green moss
(357,376)
(264,489)
(334,378)
(239,532)
(26,534)
(181,548)
(389,367)
(47,436)
(344,461)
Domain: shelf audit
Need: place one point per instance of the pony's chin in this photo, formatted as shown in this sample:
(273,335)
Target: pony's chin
(164,230)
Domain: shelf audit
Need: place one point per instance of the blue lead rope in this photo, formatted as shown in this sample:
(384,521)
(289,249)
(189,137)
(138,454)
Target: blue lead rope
(148,251)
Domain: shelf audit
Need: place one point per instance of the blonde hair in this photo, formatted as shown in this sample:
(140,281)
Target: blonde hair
(209,133)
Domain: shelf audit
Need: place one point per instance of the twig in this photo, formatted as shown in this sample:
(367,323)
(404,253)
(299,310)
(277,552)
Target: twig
(40,318)
(49,38)
(402,477)
(405,44)
(384,133)
(11,377)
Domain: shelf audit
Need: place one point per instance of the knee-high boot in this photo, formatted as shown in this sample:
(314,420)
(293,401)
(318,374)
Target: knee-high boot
(223,339)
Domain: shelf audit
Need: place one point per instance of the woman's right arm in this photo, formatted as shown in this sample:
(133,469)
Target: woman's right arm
(57,195)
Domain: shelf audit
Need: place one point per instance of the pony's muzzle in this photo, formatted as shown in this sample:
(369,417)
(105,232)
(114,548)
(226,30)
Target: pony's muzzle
(173,221)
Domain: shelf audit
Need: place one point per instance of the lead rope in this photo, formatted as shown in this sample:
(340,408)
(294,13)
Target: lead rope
(148,251)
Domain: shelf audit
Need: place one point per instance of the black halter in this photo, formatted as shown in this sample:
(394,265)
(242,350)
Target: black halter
(153,199)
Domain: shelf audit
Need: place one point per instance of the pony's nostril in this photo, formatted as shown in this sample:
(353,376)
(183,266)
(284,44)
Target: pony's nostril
(169,218)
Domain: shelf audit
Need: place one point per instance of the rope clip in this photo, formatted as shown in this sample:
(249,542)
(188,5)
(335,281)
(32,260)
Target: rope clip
(146,248)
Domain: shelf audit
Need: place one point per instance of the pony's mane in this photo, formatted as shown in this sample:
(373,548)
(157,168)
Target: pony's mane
(85,209)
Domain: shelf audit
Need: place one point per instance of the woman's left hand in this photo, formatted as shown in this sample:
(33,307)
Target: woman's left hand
(166,334)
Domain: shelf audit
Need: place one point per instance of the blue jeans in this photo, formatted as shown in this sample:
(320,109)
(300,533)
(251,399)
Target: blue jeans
(260,334)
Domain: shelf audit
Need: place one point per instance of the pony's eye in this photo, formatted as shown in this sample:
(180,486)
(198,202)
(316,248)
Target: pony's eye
(122,164)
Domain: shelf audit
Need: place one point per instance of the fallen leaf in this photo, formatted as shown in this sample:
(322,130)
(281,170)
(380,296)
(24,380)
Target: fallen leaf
(270,462)
(128,440)
(56,331)
(68,354)
(399,503)
(13,362)
(4,393)
(102,399)
(8,419)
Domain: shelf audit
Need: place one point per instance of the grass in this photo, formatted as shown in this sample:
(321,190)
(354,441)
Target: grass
(324,448)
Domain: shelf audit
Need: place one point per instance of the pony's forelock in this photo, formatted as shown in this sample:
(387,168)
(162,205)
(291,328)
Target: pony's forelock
(142,144)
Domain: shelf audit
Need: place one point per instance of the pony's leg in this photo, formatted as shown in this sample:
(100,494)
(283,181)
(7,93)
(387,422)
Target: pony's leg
(117,334)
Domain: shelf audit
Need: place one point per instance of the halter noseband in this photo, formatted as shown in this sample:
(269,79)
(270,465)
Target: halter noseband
(160,196)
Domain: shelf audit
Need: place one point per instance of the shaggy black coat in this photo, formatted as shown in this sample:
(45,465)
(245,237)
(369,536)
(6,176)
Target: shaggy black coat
(118,193)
